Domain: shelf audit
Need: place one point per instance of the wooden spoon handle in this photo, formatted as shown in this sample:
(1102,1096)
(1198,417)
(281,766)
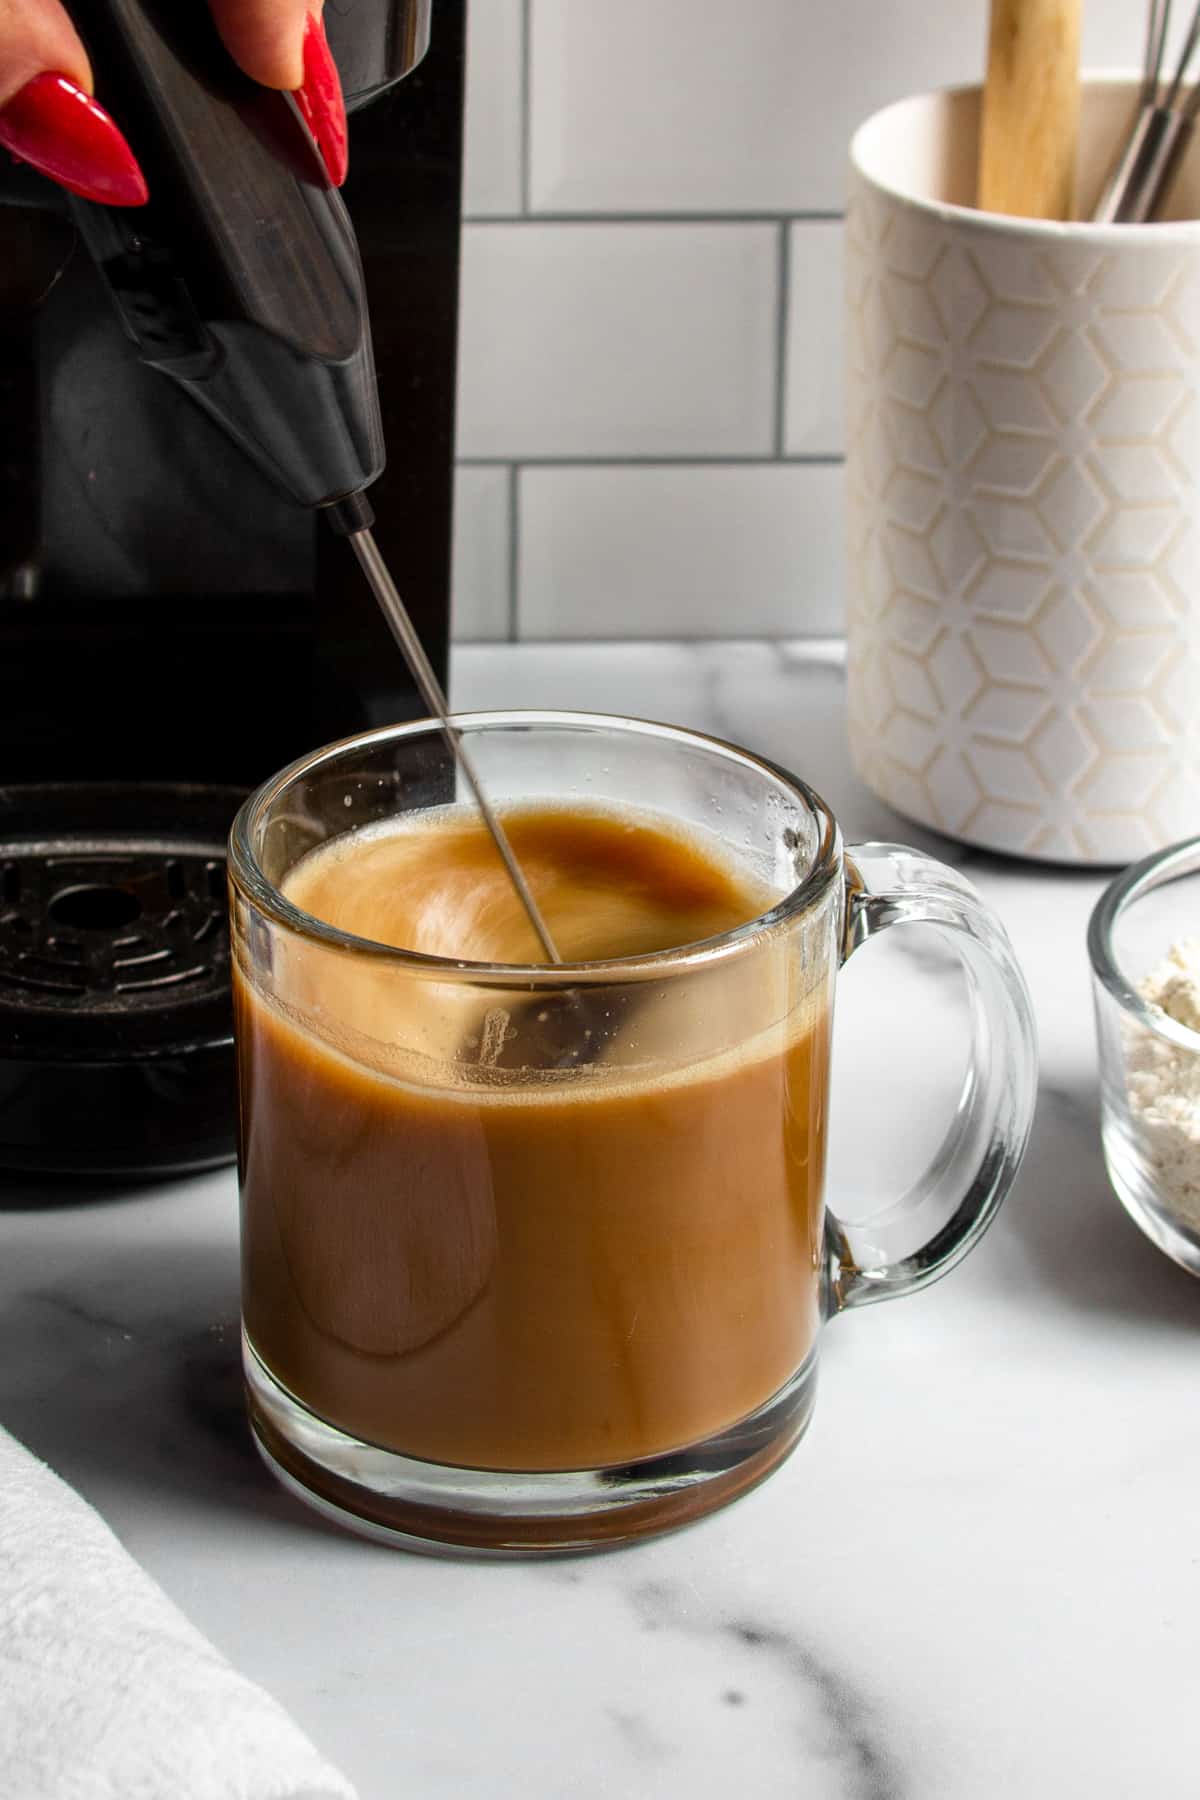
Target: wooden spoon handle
(1030,119)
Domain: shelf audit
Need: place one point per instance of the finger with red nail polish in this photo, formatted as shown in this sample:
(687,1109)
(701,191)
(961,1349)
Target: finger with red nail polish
(54,126)
(320,100)
(283,44)
(48,117)
(264,37)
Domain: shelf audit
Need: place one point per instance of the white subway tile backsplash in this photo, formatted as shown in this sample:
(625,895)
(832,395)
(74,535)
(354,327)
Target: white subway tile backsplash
(671,106)
(482,604)
(645,681)
(666,107)
(659,551)
(650,375)
(813,350)
(494,129)
(617,340)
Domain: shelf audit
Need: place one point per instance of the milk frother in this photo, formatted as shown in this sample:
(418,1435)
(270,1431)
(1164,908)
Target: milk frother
(241,281)
(171,629)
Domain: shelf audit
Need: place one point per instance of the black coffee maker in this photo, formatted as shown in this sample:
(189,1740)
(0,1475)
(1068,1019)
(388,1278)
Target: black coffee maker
(175,620)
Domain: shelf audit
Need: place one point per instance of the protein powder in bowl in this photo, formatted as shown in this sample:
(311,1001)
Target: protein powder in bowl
(1144,945)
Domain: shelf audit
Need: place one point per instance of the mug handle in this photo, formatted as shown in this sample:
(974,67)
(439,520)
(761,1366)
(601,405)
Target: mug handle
(961,1191)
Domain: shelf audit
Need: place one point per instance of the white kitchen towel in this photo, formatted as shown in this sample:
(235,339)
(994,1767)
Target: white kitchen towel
(106,1691)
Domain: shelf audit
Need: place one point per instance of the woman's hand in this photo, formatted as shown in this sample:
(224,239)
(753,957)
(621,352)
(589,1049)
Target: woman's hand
(49,119)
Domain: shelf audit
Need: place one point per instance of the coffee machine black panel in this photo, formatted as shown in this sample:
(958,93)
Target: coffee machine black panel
(166,612)
(376,43)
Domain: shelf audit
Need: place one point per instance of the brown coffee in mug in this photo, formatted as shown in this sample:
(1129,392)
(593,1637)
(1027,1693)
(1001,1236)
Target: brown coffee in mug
(535,1257)
(529,1276)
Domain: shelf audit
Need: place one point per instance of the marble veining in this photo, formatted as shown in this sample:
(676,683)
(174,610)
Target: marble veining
(835,1725)
(857,1736)
(976,1577)
(643,1741)
(78,1313)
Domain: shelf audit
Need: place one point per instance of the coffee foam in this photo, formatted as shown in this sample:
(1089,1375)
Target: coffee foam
(611,883)
(674,1028)
(400,1068)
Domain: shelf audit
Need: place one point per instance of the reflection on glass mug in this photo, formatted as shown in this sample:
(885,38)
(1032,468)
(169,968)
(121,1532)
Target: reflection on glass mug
(535,1256)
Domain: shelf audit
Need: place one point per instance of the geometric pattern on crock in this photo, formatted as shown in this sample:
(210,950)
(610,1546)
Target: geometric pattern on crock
(1023,457)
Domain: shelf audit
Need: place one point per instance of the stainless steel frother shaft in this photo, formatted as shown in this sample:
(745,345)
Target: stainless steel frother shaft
(430,688)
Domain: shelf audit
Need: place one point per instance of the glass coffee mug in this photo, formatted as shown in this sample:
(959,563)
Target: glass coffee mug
(535,1257)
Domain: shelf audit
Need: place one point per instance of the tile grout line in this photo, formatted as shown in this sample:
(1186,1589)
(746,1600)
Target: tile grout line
(531,217)
(526,121)
(830,644)
(783,301)
(514,551)
(832,459)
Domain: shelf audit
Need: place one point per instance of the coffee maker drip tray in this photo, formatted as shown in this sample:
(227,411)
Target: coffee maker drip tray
(116,1030)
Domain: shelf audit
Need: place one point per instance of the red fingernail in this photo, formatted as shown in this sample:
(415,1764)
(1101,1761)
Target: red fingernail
(57,128)
(320,100)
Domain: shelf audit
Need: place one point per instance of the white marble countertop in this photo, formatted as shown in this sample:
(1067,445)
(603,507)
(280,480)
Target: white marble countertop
(979,1574)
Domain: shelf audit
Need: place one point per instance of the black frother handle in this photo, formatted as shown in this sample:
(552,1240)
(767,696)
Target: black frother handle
(354,513)
(241,278)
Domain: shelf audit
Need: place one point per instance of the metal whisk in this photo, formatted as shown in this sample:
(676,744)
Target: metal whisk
(1161,131)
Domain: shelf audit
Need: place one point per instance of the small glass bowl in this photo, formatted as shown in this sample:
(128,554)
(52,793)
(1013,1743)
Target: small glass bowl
(1149,1062)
